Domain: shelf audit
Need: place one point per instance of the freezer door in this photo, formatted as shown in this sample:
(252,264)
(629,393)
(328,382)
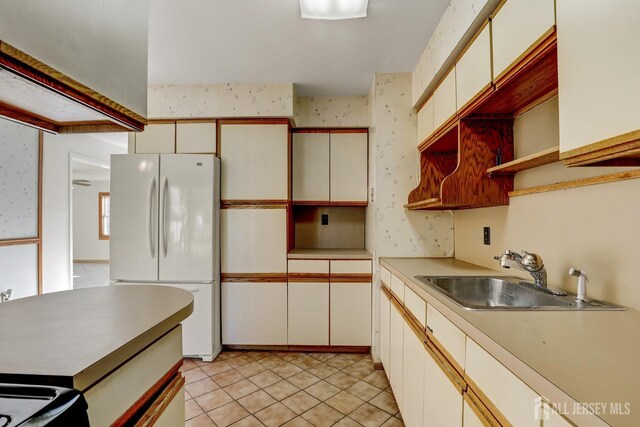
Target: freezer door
(133,244)
(186,218)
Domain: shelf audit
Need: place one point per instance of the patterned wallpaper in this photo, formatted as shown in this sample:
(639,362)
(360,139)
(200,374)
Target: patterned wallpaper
(399,232)
(221,100)
(18,181)
(332,111)
(457,19)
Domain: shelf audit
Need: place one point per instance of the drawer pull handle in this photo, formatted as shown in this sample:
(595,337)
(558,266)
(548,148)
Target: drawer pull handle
(429,329)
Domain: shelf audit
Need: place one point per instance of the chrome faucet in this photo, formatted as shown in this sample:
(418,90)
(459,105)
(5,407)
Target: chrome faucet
(532,264)
(6,295)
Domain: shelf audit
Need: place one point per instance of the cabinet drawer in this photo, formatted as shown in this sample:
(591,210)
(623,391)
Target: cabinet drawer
(397,287)
(309,266)
(513,398)
(444,100)
(516,27)
(351,267)
(112,396)
(385,277)
(159,138)
(425,121)
(447,334)
(196,137)
(473,70)
(415,305)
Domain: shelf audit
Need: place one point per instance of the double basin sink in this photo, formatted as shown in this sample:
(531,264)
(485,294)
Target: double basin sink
(505,293)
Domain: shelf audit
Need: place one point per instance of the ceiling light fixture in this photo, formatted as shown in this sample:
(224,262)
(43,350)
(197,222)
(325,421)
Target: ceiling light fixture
(333,9)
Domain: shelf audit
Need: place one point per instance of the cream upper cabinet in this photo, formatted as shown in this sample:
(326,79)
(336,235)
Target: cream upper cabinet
(350,313)
(254,161)
(254,313)
(412,379)
(444,100)
(349,171)
(311,167)
(308,313)
(473,70)
(253,240)
(156,138)
(396,344)
(425,121)
(447,334)
(385,312)
(507,392)
(196,137)
(598,68)
(517,26)
(443,403)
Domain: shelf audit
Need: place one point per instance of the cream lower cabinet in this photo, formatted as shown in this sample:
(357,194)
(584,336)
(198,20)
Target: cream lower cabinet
(413,379)
(308,307)
(396,344)
(385,312)
(254,313)
(442,400)
(470,418)
(350,313)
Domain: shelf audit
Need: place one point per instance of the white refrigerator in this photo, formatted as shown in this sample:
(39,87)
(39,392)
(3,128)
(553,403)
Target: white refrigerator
(165,228)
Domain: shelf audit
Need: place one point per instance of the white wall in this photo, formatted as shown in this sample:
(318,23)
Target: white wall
(56,244)
(86,244)
(101,44)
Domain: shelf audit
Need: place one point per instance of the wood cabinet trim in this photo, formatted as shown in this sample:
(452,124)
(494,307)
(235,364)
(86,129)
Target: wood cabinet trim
(264,121)
(300,348)
(477,394)
(254,204)
(603,150)
(541,158)
(254,277)
(330,130)
(307,278)
(481,411)
(351,277)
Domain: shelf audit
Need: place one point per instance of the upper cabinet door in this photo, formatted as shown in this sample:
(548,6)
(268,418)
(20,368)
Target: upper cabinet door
(444,100)
(425,121)
(517,26)
(473,70)
(598,68)
(195,137)
(254,161)
(311,167)
(157,138)
(349,172)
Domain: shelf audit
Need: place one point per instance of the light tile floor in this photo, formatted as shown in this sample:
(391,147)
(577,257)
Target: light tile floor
(261,388)
(89,275)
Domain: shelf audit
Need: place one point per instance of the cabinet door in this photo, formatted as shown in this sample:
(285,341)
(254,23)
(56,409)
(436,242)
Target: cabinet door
(444,100)
(425,121)
(473,70)
(253,240)
(308,310)
(396,343)
(349,161)
(513,398)
(517,26)
(385,307)
(158,138)
(196,137)
(350,313)
(597,71)
(254,162)
(447,334)
(412,379)
(254,313)
(311,167)
(442,401)
(470,418)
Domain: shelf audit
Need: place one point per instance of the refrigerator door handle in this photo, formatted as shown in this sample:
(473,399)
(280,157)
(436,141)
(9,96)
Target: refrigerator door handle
(163,204)
(152,191)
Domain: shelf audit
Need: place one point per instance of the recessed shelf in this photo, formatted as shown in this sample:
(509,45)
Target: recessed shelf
(545,157)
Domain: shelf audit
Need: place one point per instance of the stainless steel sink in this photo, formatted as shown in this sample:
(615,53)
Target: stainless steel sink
(504,293)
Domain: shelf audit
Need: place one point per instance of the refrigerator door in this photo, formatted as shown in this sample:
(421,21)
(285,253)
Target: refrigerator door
(186,218)
(133,244)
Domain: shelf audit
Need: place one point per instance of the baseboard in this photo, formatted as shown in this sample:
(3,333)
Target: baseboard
(300,348)
(91,261)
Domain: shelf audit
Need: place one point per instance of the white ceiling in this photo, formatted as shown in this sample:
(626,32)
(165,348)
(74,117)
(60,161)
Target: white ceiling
(266,41)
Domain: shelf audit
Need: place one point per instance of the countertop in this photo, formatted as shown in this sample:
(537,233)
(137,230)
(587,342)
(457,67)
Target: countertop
(74,338)
(329,254)
(585,356)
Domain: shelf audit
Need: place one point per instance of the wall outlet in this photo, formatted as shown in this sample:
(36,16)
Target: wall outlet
(487,235)
(325,219)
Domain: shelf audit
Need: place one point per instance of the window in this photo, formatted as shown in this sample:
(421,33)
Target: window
(104,222)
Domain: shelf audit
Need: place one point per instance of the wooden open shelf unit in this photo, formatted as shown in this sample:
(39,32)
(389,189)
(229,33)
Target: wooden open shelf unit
(458,161)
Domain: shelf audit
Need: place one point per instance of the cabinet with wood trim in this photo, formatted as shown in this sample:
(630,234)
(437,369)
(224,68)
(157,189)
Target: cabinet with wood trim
(425,121)
(598,72)
(385,313)
(396,344)
(473,69)
(413,377)
(444,100)
(308,302)
(182,136)
(443,401)
(330,167)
